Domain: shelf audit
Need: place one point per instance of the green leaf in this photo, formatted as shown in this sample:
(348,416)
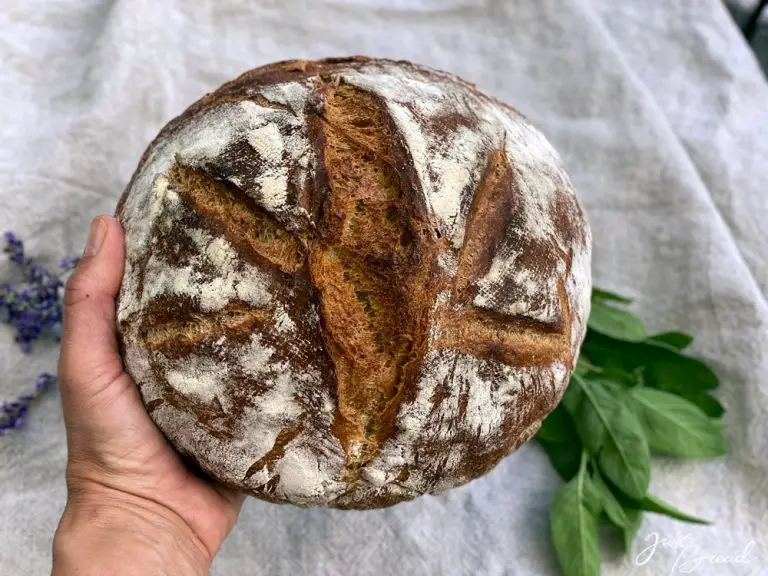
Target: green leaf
(615,323)
(610,505)
(564,456)
(574,528)
(675,426)
(597,403)
(572,397)
(600,295)
(634,520)
(664,367)
(625,458)
(608,385)
(584,367)
(706,403)
(624,455)
(592,497)
(651,503)
(719,423)
(678,340)
(590,427)
(618,378)
(557,426)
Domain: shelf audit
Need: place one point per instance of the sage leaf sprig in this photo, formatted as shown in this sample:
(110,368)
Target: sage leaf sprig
(630,396)
(575,510)
(674,426)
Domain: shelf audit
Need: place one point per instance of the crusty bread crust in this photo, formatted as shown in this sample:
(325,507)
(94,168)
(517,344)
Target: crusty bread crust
(350,282)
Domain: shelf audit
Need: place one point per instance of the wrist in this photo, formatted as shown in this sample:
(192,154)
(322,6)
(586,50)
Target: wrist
(102,532)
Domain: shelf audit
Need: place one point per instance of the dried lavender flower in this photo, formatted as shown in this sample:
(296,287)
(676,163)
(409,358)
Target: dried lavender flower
(34,308)
(12,413)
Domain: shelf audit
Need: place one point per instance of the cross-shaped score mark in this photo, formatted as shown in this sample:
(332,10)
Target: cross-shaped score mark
(372,258)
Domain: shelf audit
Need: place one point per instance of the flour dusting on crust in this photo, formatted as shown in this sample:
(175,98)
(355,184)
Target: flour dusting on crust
(258,412)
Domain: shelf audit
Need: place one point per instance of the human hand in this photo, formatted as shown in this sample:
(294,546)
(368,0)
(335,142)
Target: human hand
(132,507)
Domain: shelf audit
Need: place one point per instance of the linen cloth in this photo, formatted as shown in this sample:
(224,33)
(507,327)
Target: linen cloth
(660,113)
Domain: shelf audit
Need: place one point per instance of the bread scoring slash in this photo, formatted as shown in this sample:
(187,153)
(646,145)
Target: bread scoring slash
(350,282)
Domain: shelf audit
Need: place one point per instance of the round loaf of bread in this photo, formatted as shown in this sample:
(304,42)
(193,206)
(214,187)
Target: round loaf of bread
(350,282)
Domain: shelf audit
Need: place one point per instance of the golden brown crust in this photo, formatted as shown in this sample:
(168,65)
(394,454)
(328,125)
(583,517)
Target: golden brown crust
(385,302)
(370,270)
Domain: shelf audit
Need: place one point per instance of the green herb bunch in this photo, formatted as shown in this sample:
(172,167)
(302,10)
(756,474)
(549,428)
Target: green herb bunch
(631,395)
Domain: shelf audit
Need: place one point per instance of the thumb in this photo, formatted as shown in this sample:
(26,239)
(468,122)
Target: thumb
(89,359)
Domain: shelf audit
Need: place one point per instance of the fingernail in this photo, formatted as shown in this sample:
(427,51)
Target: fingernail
(96,237)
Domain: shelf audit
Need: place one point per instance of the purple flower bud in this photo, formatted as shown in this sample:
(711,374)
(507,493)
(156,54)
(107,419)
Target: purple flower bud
(34,309)
(69,263)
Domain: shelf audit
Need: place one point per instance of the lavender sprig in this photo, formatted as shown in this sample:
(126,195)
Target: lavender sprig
(12,413)
(34,308)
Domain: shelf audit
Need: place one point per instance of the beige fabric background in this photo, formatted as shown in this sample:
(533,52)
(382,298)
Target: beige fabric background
(661,116)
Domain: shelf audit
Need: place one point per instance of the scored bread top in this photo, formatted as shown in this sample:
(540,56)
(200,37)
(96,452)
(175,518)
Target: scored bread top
(350,282)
